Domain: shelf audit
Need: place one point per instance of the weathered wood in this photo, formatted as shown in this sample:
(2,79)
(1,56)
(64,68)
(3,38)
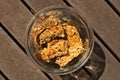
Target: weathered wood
(112,66)
(1,77)
(14,63)
(80,74)
(103,65)
(40,4)
(116,3)
(15,16)
(55,77)
(104,20)
(77,75)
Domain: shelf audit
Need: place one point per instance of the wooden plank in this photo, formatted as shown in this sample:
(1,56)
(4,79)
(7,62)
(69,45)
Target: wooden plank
(55,77)
(103,65)
(80,74)
(104,20)
(1,77)
(77,75)
(112,66)
(40,4)
(14,63)
(15,17)
(116,3)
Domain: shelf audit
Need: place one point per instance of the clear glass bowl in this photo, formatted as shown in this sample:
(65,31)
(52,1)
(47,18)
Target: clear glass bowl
(84,30)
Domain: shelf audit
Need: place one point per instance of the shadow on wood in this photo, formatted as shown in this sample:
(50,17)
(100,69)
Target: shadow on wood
(93,69)
(96,64)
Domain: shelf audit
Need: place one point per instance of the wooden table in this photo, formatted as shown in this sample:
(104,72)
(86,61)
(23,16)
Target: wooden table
(102,15)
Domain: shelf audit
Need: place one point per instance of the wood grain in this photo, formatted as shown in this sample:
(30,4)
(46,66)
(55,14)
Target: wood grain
(1,77)
(102,18)
(14,63)
(116,3)
(15,17)
(40,4)
(105,22)
(112,66)
(77,75)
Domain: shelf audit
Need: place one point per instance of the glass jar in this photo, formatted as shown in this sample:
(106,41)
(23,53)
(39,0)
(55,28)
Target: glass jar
(84,30)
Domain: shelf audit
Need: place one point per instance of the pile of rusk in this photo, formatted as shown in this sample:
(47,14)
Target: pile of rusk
(54,40)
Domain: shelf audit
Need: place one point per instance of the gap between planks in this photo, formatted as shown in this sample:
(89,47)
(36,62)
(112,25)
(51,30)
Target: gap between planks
(18,44)
(28,7)
(17,64)
(97,30)
(96,34)
(116,3)
(3,76)
(13,38)
(113,7)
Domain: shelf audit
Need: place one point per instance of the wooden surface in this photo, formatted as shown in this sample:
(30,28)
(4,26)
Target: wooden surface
(99,14)
(103,19)
(1,77)
(112,66)
(15,63)
(36,4)
(15,17)
(116,3)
